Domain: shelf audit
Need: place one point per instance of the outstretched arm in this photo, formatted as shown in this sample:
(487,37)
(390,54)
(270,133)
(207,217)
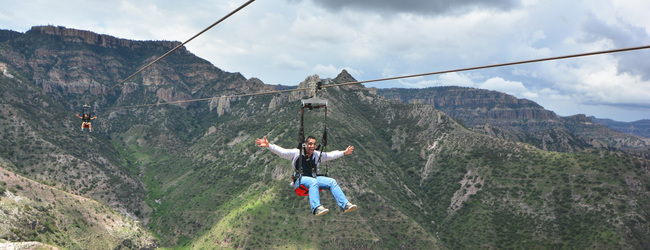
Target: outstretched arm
(78,116)
(328,156)
(262,142)
(288,154)
(93,118)
(349,150)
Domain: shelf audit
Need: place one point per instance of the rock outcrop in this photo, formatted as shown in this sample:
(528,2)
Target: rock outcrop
(75,35)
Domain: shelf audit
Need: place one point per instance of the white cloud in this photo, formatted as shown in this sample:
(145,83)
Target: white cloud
(326,70)
(475,81)
(508,87)
(288,62)
(633,11)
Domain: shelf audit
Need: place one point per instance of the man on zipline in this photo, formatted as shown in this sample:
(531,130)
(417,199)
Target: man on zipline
(85,121)
(309,179)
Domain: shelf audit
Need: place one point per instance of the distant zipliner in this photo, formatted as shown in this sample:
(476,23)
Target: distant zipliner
(305,160)
(86,117)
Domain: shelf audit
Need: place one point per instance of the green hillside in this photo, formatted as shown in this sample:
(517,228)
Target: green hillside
(420,179)
(33,212)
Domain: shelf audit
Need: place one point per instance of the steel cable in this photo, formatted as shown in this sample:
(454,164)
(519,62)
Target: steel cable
(494,65)
(171,51)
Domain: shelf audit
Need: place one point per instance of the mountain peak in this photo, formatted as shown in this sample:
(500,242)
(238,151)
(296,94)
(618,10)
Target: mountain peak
(344,77)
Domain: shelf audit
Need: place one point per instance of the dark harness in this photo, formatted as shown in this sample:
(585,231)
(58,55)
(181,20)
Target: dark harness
(85,110)
(311,168)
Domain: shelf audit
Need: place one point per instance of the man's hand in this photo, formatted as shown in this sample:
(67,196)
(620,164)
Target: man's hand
(349,150)
(262,142)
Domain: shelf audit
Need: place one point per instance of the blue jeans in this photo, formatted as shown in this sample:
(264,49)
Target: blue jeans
(322,182)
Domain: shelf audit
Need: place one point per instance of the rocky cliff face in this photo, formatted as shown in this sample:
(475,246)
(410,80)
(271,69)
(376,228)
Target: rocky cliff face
(508,117)
(88,37)
(98,62)
(474,106)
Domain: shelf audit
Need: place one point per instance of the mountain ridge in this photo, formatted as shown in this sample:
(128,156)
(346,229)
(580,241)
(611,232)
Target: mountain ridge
(506,116)
(638,128)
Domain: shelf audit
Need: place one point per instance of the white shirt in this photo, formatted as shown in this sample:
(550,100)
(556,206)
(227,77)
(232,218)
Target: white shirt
(294,153)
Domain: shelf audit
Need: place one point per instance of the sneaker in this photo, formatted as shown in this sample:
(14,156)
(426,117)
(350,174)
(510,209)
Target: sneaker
(349,207)
(320,210)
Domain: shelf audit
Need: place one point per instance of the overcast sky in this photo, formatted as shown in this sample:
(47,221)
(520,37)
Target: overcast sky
(284,41)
